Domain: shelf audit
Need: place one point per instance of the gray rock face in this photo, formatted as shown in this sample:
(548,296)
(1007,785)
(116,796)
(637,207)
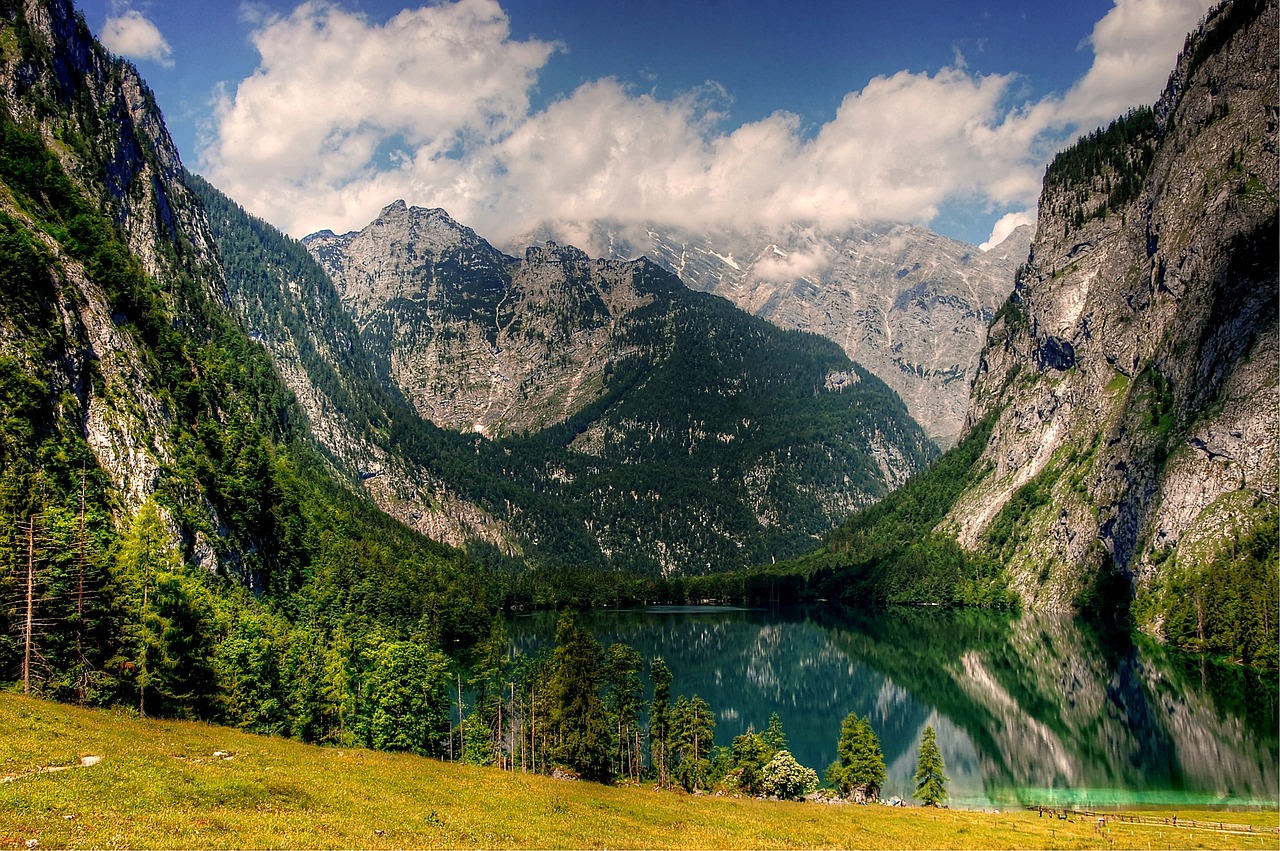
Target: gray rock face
(908,304)
(126,162)
(480,341)
(616,388)
(1133,374)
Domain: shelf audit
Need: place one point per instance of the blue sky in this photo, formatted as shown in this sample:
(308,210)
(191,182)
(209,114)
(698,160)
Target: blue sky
(703,112)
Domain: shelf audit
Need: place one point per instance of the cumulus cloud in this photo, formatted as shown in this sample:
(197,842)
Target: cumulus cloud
(338,105)
(1006,225)
(1134,47)
(133,36)
(344,115)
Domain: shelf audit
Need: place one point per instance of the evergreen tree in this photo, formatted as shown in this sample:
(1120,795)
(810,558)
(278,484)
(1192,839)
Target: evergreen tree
(623,699)
(931,783)
(774,736)
(750,755)
(145,555)
(860,769)
(660,717)
(489,679)
(577,712)
(693,731)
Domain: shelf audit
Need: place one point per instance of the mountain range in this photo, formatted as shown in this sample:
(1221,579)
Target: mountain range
(1119,456)
(167,356)
(908,304)
(558,409)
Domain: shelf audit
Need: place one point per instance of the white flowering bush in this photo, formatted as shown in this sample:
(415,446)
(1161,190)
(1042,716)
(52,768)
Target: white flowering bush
(785,778)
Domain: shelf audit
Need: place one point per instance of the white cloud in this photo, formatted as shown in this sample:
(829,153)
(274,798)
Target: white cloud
(1134,45)
(783,266)
(133,36)
(1006,225)
(343,116)
(300,140)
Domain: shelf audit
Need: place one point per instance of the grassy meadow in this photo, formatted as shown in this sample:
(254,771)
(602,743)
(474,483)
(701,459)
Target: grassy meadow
(171,784)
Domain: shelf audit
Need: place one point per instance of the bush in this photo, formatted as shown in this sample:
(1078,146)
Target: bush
(786,778)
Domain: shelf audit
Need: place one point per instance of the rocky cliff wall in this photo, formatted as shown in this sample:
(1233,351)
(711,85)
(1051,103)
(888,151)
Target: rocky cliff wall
(1132,374)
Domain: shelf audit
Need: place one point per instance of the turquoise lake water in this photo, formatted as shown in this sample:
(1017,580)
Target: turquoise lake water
(1028,710)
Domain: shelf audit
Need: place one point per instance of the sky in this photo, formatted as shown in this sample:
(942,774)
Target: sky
(694,113)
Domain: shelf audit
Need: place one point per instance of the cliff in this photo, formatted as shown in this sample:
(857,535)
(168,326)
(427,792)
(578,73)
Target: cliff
(1131,378)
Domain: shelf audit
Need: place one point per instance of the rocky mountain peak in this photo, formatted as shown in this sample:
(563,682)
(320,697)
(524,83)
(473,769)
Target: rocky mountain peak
(623,376)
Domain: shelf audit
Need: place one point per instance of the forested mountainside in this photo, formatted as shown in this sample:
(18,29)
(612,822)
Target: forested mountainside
(909,305)
(562,411)
(153,467)
(1122,447)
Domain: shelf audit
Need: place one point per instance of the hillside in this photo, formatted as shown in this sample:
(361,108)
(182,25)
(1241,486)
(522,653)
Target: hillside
(161,505)
(559,410)
(1133,374)
(1120,454)
(167,784)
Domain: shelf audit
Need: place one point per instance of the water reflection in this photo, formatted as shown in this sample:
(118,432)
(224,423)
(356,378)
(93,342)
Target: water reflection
(1033,709)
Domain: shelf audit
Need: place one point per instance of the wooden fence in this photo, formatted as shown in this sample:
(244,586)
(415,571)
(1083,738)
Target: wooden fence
(1104,818)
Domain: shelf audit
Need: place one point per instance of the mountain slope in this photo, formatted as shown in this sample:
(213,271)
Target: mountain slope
(1124,424)
(369,431)
(682,434)
(1133,374)
(909,305)
(153,467)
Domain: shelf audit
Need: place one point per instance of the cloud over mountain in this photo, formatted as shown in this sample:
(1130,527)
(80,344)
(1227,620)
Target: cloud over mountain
(433,106)
(131,35)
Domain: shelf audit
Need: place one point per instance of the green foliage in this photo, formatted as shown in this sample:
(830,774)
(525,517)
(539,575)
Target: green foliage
(1009,529)
(1227,605)
(1113,162)
(889,553)
(623,702)
(131,623)
(660,718)
(750,755)
(578,717)
(860,767)
(408,698)
(693,735)
(931,782)
(774,736)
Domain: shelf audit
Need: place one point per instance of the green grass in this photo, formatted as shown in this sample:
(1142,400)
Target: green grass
(159,785)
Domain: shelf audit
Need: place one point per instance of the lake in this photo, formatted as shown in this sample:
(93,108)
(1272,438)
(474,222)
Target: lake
(1030,709)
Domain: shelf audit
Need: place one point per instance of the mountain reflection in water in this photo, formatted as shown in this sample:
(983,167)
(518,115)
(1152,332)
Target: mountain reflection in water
(1031,709)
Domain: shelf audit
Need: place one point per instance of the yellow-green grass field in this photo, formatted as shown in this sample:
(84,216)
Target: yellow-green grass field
(159,784)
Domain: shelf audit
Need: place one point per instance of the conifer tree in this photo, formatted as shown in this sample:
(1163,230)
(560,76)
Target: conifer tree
(578,715)
(660,717)
(860,769)
(693,730)
(623,700)
(931,782)
(774,736)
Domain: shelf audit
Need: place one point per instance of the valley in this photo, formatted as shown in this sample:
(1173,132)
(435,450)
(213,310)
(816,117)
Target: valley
(396,489)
